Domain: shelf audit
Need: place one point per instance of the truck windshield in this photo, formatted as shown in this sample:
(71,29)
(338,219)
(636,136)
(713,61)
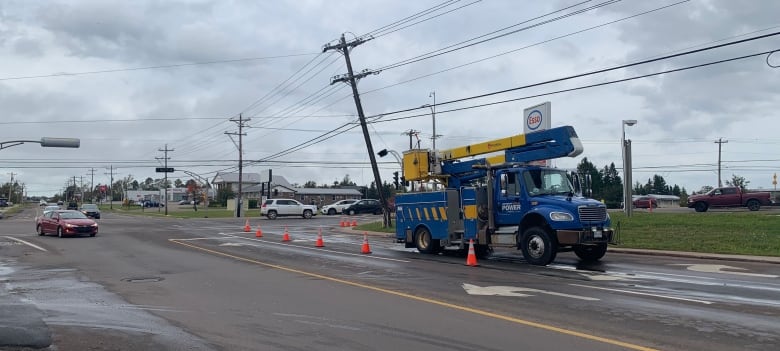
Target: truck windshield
(547,182)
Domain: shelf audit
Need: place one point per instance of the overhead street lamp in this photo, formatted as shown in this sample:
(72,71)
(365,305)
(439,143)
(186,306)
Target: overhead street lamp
(625,146)
(45,142)
(398,158)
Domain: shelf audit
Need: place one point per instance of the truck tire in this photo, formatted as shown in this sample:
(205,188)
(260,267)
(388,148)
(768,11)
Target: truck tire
(307,214)
(538,246)
(700,206)
(753,205)
(271,215)
(425,243)
(590,253)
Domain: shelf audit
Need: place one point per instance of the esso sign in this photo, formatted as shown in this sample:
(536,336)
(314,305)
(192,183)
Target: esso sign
(103,188)
(534,120)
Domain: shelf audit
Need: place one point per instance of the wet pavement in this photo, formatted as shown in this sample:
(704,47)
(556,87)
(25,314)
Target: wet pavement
(34,300)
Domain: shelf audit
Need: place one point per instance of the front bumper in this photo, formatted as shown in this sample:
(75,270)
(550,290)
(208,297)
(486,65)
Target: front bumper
(589,236)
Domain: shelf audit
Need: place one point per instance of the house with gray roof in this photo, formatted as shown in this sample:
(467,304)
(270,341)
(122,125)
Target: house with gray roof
(253,188)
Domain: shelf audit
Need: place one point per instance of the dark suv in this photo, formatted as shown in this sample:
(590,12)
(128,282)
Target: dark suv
(364,206)
(3,202)
(73,205)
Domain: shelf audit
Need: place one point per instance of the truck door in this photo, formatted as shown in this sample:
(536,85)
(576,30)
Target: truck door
(508,198)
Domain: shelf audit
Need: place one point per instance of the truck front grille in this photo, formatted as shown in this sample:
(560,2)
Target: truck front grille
(593,214)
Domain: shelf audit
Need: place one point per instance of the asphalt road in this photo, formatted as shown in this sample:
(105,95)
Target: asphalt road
(204,284)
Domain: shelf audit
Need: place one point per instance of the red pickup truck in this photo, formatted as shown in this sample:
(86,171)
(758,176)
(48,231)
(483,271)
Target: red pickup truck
(729,197)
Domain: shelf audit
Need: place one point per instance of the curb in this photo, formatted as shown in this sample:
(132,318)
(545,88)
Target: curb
(697,255)
(683,254)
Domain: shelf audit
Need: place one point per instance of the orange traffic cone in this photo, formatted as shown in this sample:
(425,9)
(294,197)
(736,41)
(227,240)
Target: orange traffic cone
(258,233)
(342,222)
(354,222)
(471,259)
(286,236)
(247,228)
(319,239)
(365,249)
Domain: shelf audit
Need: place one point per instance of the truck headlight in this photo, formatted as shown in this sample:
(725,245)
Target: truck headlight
(561,216)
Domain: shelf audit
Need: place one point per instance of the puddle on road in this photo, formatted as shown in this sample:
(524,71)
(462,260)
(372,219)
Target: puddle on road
(67,301)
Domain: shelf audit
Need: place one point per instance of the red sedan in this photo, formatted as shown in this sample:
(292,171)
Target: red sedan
(645,202)
(64,223)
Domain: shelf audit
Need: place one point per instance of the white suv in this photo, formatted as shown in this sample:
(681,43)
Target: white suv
(273,208)
(337,207)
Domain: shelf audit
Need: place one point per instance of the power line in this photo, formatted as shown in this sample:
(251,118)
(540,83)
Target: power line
(65,74)
(471,42)
(599,71)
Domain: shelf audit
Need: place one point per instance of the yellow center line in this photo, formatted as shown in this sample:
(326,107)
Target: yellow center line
(427,300)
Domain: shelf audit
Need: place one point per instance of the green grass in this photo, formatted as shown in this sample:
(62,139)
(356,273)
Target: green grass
(748,233)
(211,212)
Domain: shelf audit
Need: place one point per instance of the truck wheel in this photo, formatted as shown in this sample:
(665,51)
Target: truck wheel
(538,246)
(307,214)
(271,215)
(753,205)
(700,207)
(590,253)
(425,243)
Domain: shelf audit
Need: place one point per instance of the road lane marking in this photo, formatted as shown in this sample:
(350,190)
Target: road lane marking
(645,294)
(318,249)
(428,300)
(27,243)
(516,291)
(719,268)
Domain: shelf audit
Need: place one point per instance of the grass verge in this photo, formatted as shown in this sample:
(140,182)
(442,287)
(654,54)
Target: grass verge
(174,213)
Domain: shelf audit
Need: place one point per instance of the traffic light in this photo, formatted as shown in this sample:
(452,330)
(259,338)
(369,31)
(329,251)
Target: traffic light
(395,180)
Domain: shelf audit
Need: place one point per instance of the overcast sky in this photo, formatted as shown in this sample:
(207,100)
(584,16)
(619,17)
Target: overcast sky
(129,77)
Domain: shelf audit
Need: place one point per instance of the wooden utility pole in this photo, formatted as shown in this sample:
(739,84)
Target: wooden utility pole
(352,79)
(720,143)
(165,183)
(241,122)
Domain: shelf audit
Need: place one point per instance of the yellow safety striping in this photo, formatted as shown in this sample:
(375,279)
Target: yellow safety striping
(470,211)
(418,214)
(410,213)
(443,213)
(434,214)
(427,217)
(427,300)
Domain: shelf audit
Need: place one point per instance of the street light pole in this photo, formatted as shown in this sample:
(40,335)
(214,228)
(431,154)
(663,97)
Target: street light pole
(625,146)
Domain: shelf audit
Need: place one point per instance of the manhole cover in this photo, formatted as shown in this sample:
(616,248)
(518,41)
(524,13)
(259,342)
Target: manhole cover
(142,279)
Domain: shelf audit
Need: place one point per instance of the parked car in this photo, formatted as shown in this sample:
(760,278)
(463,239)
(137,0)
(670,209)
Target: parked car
(645,202)
(273,208)
(337,207)
(151,203)
(73,205)
(364,206)
(65,222)
(43,203)
(3,202)
(90,210)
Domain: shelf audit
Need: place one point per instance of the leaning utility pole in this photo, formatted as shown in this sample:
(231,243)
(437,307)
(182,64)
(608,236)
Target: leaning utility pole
(720,143)
(165,184)
(241,122)
(350,77)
